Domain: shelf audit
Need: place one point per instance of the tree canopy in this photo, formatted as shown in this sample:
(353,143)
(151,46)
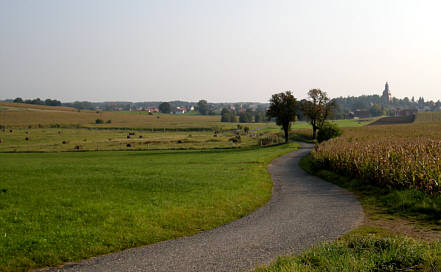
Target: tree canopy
(283,108)
(164,107)
(317,109)
(203,107)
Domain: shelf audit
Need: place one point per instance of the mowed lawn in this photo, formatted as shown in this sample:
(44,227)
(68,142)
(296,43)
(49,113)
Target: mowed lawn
(60,207)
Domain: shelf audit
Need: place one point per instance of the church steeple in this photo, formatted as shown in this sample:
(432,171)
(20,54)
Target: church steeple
(387,96)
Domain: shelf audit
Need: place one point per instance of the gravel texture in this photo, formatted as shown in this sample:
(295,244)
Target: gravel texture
(303,211)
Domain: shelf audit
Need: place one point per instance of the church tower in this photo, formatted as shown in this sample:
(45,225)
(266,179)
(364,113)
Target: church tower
(387,97)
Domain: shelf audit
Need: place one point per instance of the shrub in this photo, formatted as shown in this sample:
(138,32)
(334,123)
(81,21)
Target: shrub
(108,121)
(99,121)
(328,131)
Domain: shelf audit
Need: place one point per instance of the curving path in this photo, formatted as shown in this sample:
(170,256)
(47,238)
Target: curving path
(303,211)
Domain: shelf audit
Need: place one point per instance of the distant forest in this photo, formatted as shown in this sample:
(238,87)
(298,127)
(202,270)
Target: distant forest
(255,112)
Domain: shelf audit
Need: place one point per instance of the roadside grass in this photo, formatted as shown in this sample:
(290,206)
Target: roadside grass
(62,139)
(379,201)
(63,207)
(365,249)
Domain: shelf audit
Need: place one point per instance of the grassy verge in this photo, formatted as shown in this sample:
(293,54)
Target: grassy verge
(365,249)
(60,207)
(380,201)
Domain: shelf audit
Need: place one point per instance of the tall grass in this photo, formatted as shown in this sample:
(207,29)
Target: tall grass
(366,249)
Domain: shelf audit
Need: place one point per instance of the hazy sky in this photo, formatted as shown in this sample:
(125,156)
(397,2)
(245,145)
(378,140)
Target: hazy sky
(224,50)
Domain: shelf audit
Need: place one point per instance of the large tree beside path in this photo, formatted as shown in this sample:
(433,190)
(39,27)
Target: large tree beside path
(317,109)
(283,107)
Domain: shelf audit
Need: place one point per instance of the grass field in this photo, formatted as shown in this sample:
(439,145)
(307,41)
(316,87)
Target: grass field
(428,117)
(60,207)
(14,115)
(62,139)
(303,125)
(7,106)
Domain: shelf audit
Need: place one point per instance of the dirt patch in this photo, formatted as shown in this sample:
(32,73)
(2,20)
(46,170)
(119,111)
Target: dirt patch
(406,227)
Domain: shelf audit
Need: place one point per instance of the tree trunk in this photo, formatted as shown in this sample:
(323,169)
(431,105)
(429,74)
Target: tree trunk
(314,133)
(286,134)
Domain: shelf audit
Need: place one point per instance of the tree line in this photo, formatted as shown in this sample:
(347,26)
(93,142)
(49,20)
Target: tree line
(38,101)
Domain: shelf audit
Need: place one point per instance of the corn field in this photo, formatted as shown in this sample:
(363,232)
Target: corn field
(398,156)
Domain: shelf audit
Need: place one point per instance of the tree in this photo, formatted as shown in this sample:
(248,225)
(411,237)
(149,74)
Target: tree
(164,107)
(225,115)
(203,107)
(52,102)
(317,109)
(37,101)
(283,108)
(18,100)
(376,110)
(259,117)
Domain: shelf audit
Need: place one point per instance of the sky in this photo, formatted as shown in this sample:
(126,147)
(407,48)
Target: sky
(223,50)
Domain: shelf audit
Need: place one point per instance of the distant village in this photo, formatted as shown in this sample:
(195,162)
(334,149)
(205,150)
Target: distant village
(347,107)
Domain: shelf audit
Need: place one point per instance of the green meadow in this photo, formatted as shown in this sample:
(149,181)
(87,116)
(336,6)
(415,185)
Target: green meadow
(66,206)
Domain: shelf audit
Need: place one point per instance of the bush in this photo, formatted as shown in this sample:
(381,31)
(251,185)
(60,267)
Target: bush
(108,121)
(328,131)
(99,121)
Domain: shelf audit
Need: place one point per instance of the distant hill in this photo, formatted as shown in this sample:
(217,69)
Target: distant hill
(17,106)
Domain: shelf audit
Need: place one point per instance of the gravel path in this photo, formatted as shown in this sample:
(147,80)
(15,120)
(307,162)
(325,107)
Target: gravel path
(303,211)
